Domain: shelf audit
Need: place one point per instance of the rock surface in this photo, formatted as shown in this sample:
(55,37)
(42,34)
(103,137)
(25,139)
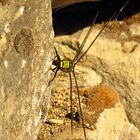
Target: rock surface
(114,59)
(104,116)
(113,125)
(63,3)
(25,39)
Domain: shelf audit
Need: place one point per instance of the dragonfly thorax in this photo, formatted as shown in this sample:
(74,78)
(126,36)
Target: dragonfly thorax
(66,65)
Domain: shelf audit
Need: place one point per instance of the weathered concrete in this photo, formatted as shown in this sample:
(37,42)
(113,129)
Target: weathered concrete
(25,44)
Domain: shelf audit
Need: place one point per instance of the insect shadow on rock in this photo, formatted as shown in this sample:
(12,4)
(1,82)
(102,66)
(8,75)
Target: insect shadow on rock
(67,65)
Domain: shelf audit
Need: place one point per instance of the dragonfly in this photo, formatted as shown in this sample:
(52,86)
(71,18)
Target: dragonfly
(67,65)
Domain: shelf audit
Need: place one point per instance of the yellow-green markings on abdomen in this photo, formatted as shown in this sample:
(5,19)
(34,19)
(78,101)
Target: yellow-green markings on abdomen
(66,65)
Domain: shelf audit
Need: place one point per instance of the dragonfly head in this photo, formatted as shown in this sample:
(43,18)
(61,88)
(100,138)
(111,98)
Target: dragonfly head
(56,63)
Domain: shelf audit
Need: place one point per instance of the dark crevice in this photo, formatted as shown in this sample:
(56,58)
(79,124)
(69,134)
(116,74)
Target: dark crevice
(77,16)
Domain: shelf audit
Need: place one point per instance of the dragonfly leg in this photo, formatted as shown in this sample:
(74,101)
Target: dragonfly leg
(81,113)
(71,110)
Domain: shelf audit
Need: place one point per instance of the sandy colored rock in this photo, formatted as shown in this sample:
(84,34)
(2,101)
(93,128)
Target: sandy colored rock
(4,2)
(24,62)
(113,125)
(111,122)
(63,3)
(98,98)
(115,58)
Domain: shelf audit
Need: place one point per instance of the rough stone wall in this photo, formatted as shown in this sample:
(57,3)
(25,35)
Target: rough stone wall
(25,45)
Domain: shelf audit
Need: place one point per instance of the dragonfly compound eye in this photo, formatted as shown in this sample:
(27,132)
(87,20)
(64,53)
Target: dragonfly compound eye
(55,62)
